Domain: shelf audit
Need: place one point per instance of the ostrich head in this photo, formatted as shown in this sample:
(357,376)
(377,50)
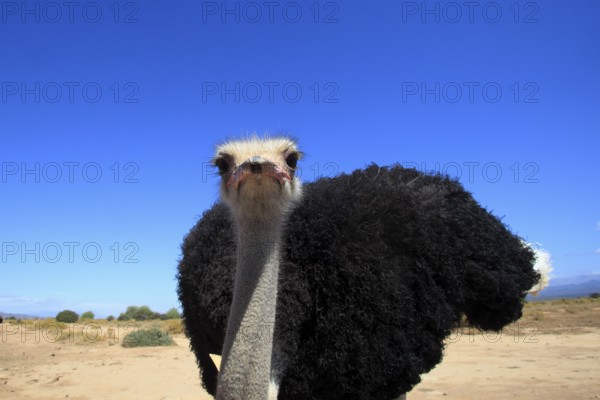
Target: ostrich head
(258,177)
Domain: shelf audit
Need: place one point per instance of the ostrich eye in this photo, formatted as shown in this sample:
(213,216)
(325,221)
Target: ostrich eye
(292,160)
(222,164)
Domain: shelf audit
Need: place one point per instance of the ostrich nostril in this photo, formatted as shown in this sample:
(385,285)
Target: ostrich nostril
(256,168)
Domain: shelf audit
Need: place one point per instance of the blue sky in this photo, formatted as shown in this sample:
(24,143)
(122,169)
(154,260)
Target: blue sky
(109,112)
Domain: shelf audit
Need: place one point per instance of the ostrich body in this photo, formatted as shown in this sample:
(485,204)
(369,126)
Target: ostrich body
(344,288)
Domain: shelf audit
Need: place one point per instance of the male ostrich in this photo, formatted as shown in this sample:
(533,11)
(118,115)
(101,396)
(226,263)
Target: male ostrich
(344,288)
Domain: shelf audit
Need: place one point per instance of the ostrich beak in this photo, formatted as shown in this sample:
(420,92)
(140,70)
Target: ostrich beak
(258,167)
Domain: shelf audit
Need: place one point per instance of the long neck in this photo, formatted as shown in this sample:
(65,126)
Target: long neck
(246,359)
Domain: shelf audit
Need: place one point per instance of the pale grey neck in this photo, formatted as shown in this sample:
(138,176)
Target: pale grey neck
(246,360)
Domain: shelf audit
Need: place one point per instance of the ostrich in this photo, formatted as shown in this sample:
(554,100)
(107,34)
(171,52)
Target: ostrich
(344,288)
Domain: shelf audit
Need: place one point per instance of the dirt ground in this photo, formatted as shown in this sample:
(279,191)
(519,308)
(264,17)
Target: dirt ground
(552,353)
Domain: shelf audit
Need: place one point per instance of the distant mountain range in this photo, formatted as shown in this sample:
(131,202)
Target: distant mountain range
(18,316)
(574,280)
(576,286)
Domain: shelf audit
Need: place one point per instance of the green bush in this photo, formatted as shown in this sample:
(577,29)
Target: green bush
(136,313)
(172,314)
(595,295)
(123,317)
(110,318)
(148,337)
(144,313)
(87,315)
(67,316)
(156,315)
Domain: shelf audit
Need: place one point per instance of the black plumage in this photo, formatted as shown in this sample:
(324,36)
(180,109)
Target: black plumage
(377,267)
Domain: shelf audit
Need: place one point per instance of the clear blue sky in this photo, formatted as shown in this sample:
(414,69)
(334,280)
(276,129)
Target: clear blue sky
(502,94)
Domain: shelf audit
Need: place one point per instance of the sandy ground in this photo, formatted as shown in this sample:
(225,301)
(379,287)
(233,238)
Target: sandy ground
(521,363)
